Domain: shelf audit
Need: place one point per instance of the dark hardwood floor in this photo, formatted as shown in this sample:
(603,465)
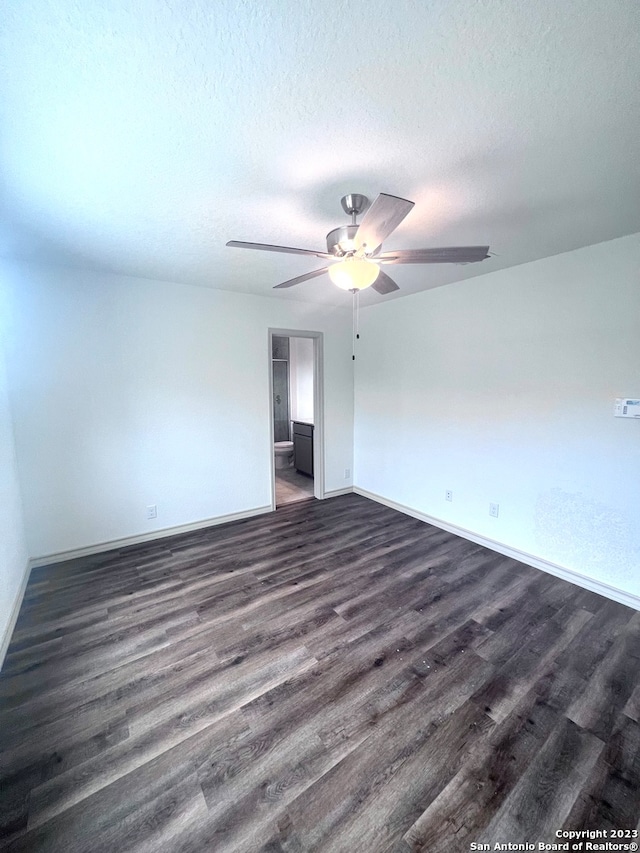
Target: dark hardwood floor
(335,676)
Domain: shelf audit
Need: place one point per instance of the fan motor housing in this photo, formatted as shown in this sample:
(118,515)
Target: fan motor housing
(340,241)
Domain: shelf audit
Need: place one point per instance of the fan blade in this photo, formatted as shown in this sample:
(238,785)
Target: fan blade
(300,278)
(384,284)
(383,217)
(267,247)
(446,255)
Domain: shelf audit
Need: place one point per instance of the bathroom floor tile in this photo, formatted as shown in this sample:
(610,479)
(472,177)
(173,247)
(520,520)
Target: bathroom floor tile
(292,486)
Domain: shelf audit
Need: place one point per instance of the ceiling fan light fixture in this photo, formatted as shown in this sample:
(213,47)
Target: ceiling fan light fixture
(354,273)
(354,251)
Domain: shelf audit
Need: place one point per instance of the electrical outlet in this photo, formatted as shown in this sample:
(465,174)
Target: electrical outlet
(448,495)
(347,473)
(493,510)
(152,511)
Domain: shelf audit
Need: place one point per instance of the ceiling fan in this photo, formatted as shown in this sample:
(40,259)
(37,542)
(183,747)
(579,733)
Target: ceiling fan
(355,250)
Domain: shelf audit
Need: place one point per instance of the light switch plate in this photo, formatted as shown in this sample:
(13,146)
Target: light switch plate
(626,407)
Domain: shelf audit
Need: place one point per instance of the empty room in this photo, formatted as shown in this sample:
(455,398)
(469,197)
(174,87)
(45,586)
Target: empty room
(319,426)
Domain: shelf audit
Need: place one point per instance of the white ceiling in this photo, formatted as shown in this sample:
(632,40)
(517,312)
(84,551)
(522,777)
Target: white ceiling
(140,137)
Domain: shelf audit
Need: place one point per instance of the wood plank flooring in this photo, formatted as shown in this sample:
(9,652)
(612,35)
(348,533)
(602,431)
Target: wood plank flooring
(335,676)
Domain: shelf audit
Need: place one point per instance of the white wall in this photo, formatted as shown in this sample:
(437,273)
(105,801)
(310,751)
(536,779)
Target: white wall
(13,548)
(128,392)
(301,378)
(501,388)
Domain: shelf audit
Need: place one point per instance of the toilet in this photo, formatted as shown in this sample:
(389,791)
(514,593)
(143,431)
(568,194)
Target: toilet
(284,454)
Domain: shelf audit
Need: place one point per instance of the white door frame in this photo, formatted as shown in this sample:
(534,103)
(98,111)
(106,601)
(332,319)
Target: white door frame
(318,408)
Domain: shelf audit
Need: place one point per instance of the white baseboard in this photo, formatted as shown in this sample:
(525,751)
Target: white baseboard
(13,618)
(583,581)
(110,545)
(335,493)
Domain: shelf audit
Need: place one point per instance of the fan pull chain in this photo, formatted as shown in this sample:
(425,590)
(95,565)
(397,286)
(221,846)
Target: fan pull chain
(353,329)
(356,322)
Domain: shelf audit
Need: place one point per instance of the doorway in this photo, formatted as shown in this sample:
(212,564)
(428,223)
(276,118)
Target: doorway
(296,417)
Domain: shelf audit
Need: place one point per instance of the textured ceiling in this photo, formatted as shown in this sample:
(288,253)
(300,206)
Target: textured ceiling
(139,137)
